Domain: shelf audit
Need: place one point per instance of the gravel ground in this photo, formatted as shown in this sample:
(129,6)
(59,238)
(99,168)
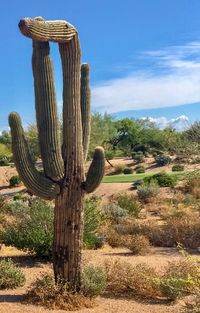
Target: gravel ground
(11,299)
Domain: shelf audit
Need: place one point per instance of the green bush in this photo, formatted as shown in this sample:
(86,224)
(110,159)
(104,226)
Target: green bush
(138,157)
(162,179)
(128,170)
(14,181)
(32,227)
(128,202)
(114,212)
(4,161)
(162,160)
(180,278)
(146,192)
(119,168)
(109,154)
(93,281)
(140,169)
(93,219)
(10,275)
(178,168)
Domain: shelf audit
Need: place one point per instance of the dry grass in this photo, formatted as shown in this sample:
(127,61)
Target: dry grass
(138,244)
(44,292)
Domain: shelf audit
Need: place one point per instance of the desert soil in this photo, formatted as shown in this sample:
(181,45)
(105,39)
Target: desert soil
(11,299)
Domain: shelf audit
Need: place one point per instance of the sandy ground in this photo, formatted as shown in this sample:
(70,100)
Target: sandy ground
(11,299)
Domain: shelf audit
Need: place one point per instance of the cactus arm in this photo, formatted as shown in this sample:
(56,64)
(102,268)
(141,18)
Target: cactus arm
(96,171)
(85,107)
(40,30)
(46,111)
(32,179)
(72,149)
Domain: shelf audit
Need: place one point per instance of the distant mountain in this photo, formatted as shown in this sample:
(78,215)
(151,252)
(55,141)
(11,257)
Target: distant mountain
(179,117)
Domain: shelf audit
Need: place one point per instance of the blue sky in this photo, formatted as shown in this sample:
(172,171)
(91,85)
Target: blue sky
(143,54)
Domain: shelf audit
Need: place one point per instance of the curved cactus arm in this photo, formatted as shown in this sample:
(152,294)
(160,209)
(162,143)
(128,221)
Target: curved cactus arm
(40,30)
(46,111)
(96,171)
(85,107)
(72,149)
(32,179)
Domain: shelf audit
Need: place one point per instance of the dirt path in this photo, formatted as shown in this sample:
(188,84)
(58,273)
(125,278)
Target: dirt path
(11,299)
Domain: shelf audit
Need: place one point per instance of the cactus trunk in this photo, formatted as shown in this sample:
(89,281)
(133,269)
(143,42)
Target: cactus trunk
(68,229)
(64,177)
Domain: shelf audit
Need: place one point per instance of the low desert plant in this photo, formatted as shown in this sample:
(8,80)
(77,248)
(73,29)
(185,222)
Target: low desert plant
(45,292)
(138,244)
(162,160)
(4,161)
(140,169)
(163,179)
(192,183)
(128,170)
(93,281)
(127,202)
(146,192)
(140,280)
(31,228)
(138,157)
(178,168)
(93,219)
(180,278)
(114,212)
(10,275)
(119,168)
(14,181)
(113,238)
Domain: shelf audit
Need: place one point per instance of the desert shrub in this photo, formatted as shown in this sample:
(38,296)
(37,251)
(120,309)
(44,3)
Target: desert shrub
(93,281)
(128,202)
(114,212)
(177,168)
(14,181)
(162,160)
(138,244)
(137,182)
(4,161)
(141,148)
(10,275)
(141,280)
(146,192)
(163,179)
(113,238)
(32,227)
(109,154)
(128,170)
(45,292)
(93,219)
(119,168)
(180,278)
(192,184)
(138,157)
(140,169)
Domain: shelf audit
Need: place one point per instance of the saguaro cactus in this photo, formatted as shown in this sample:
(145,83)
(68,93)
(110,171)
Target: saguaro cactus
(64,177)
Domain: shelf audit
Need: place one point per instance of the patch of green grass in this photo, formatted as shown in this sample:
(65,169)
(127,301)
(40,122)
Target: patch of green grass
(132,177)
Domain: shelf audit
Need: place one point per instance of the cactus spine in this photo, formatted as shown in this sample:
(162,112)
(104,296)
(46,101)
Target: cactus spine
(64,176)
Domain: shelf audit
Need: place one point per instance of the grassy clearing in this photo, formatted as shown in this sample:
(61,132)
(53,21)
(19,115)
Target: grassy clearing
(132,177)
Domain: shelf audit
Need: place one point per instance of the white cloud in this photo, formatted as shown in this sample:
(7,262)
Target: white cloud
(179,123)
(173,80)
